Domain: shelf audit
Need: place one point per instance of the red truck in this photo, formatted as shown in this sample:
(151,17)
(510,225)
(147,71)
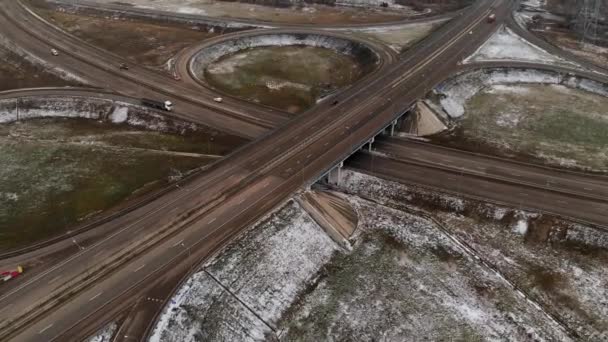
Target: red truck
(8,275)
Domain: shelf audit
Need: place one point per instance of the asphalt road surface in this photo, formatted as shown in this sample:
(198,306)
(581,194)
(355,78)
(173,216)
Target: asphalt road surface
(154,247)
(565,194)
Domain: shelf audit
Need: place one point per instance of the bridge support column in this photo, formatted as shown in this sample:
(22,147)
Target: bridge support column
(393,124)
(335,174)
(370,144)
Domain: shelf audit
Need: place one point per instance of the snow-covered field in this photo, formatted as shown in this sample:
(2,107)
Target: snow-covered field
(459,89)
(407,280)
(214,52)
(540,116)
(560,266)
(399,37)
(505,45)
(242,294)
(424,267)
(114,111)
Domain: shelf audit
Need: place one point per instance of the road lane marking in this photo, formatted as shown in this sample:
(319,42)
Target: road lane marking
(437,53)
(177,243)
(588,189)
(562,202)
(139,268)
(95,296)
(54,279)
(3,297)
(98,254)
(5,307)
(212,220)
(45,329)
(308,156)
(523,194)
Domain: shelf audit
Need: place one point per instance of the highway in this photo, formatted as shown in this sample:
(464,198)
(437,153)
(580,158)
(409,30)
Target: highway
(100,68)
(192,222)
(581,197)
(152,248)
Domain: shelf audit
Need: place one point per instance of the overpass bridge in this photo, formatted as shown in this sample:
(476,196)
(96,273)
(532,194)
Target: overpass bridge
(157,244)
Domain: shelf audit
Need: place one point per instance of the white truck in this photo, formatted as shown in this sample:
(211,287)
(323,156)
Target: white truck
(167,105)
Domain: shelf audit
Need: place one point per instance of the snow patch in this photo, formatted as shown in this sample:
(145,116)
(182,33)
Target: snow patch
(120,114)
(504,44)
(208,55)
(455,92)
(246,289)
(104,335)
(521,227)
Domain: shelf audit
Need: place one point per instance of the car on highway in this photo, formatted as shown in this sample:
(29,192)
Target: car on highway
(12,274)
(123,66)
(218,99)
(54,52)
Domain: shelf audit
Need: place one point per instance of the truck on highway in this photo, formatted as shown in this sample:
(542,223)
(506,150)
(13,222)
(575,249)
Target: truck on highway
(167,105)
(12,274)
(491,18)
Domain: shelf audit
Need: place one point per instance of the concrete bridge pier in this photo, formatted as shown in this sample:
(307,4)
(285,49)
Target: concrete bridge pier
(393,125)
(371,141)
(333,177)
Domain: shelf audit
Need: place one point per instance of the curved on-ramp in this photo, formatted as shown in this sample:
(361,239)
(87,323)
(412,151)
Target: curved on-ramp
(183,62)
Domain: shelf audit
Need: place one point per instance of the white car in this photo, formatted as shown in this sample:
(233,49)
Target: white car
(218,99)
(54,52)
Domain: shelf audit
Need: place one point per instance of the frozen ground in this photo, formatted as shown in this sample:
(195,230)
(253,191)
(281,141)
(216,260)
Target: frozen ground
(558,265)
(506,45)
(407,280)
(241,295)
(105,335)
(401,37)
(424,267)
(552,124)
